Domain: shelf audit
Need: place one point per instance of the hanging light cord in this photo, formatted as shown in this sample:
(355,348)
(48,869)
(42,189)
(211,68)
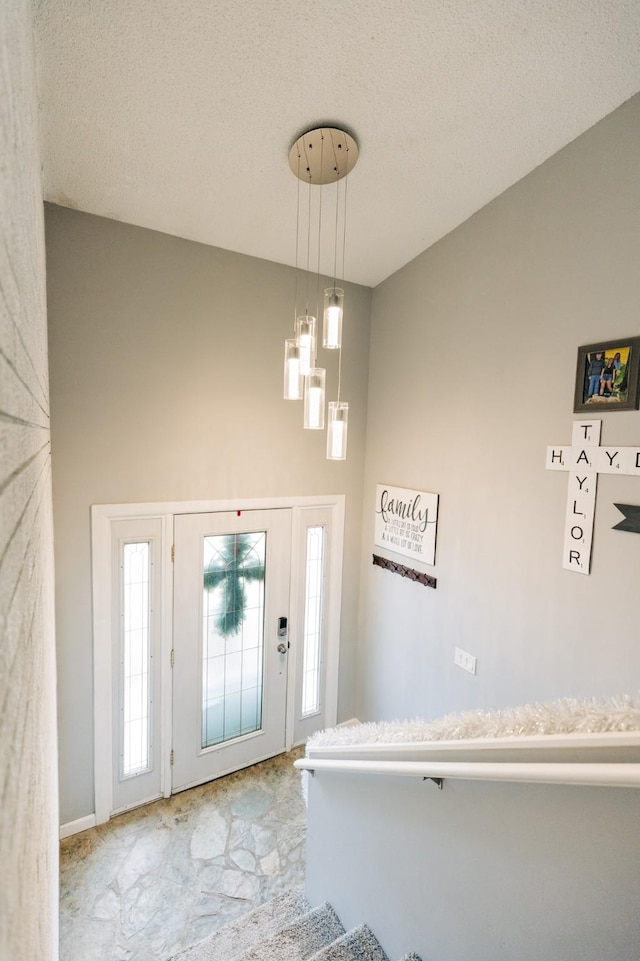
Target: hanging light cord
(308,243)
(297,272)
(344,244)
(319,227)
(344,235)
(335,239)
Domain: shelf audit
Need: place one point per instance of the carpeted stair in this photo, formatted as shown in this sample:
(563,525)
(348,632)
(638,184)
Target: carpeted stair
(288,929)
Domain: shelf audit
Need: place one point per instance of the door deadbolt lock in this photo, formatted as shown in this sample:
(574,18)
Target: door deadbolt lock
(283,628)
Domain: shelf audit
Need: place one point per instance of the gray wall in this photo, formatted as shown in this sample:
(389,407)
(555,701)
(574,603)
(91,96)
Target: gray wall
(473,356)
(479,872)
(28,819)
(149,403)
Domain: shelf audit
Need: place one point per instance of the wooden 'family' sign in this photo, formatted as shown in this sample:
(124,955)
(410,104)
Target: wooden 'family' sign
(406,522)
(584,460)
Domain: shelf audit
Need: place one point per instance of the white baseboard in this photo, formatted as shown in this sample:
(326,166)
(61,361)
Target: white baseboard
(75,827)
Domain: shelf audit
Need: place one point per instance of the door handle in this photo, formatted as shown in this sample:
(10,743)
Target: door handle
(283,630)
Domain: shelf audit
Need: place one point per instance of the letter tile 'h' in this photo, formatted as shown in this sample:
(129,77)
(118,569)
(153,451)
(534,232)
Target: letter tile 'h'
(584,460)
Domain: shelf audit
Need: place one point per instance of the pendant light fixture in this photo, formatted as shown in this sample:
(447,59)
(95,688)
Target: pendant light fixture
(293,375)
(333,307)
(337,430)
(321,156)
(314,392)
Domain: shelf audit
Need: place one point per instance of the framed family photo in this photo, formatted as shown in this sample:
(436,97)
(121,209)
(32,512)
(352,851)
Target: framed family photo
(607,376)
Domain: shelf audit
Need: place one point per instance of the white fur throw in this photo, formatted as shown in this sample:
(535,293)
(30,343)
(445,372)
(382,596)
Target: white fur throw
(566,716)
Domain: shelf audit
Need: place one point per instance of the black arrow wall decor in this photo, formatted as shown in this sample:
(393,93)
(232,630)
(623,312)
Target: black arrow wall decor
(631,521)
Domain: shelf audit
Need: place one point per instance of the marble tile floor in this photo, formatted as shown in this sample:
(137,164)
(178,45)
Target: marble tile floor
(155,880)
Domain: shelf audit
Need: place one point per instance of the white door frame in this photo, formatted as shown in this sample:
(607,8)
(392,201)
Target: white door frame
(102,516)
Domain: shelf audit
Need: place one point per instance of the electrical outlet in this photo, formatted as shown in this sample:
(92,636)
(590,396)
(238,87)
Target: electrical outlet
(465,660)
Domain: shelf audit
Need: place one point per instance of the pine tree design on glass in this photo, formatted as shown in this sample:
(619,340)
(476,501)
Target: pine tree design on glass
(235,563)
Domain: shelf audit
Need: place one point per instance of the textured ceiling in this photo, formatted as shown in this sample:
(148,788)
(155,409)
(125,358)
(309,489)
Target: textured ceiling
(179,116)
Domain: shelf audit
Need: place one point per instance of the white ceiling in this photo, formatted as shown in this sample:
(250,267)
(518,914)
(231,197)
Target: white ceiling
(178,115)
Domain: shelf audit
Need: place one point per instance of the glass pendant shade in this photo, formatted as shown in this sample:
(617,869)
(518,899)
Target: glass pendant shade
(333,309)
(337,430)
(293,379)
(306,341)
(314,387)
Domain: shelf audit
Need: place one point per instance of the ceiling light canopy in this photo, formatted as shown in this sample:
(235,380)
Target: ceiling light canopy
(323,155)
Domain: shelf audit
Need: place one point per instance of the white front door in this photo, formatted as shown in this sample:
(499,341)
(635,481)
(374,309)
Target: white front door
(217,694)
(231,596)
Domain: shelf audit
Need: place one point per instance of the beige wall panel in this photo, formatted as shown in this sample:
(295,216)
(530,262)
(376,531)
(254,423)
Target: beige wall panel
(166,381)
(473,358)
